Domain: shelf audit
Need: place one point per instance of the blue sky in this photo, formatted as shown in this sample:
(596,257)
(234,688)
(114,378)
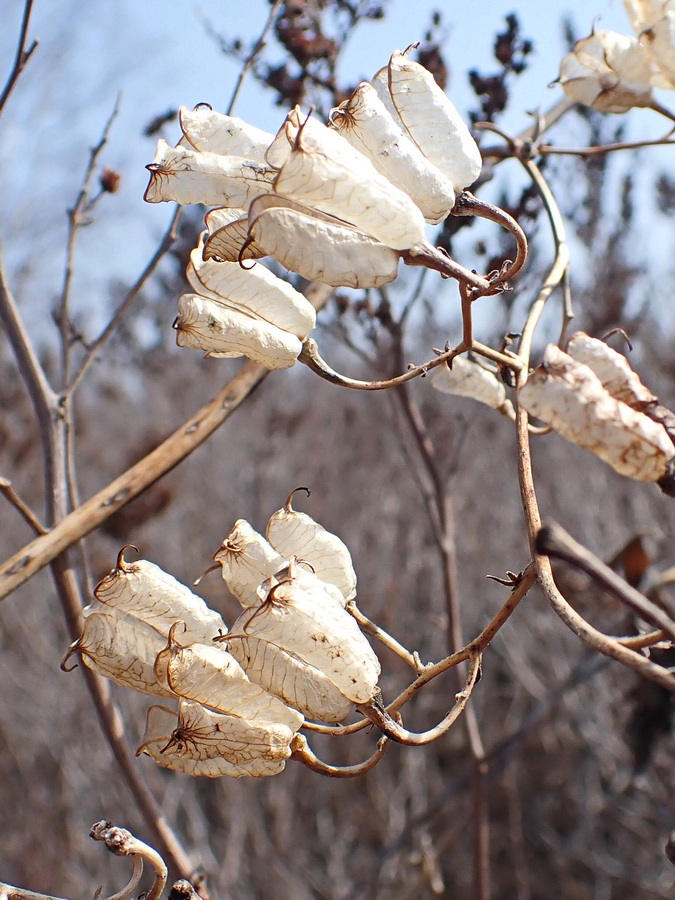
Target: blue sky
(157,54)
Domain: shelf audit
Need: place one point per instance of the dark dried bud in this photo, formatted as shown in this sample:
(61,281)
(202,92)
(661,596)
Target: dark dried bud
(110,180)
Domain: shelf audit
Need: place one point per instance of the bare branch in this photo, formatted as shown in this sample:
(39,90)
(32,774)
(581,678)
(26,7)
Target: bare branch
(22,55)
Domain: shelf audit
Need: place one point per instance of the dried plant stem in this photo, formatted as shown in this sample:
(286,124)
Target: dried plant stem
(9,892)
(122,843)
(468,205)
(589,152)
(251,58)
(552,540)
(304,754)
(22,508)
(380,717)
(76,219)
(92,350)
(22,55)
(311,357)
(412,659)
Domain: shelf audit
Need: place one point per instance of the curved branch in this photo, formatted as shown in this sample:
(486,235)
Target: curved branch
(379,716)
(122,843)
(468,205)
(303,753)
(310,356)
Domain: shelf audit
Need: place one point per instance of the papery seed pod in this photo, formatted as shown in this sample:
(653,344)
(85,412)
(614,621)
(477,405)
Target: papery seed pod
(204,324)
(569,397)
(303,617)
(122,648)
(612,369)
(255,292)
(364,121)
(247,559)
(145,591)
(467,378)
(208,674)
(432,121)
(230,242)
(293,681)
(188,176)
(213,132)
(348,186)
(653,22)
(316,137)
(200,742)
(295,533)
(609,72)
(318,247)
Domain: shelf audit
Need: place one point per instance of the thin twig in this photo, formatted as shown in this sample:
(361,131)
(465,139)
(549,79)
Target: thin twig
(552,540)
(303,753)
(75,221)
(311,357)
(8,490)
(250,60)
(412,659)
(164,246)
(22,55)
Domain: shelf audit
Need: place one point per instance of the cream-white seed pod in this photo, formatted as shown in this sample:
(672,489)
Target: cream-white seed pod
(609,72)
(208,674)
(228,239)
(432,121)
(207,325)
(294,533)
(318,247)
(144,591)
(200,742)
(247,560)
(120,647)
(303,620)
(467,378)
(613,370)
(214,132)
(570,398)
(255,292)
(188,176)
(653,22)
(364,121)
(345,184)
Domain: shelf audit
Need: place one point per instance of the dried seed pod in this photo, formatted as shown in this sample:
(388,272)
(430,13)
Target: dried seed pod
(433,122)
(229,242)
(213,132)
(609,72)
(347,185)
(569,397)
(122,648)
(200,742)
(247,559)
(208,674)
(316,137)
(654,24)
(613,370)
(303,620)
(467,378)
(295,533)
(256,292)
(204,324)
(188,176)
(143,590)
(320,248)
(364,121)
(293,681)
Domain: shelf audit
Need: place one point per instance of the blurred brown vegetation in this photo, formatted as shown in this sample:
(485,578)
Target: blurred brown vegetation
(581,753)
